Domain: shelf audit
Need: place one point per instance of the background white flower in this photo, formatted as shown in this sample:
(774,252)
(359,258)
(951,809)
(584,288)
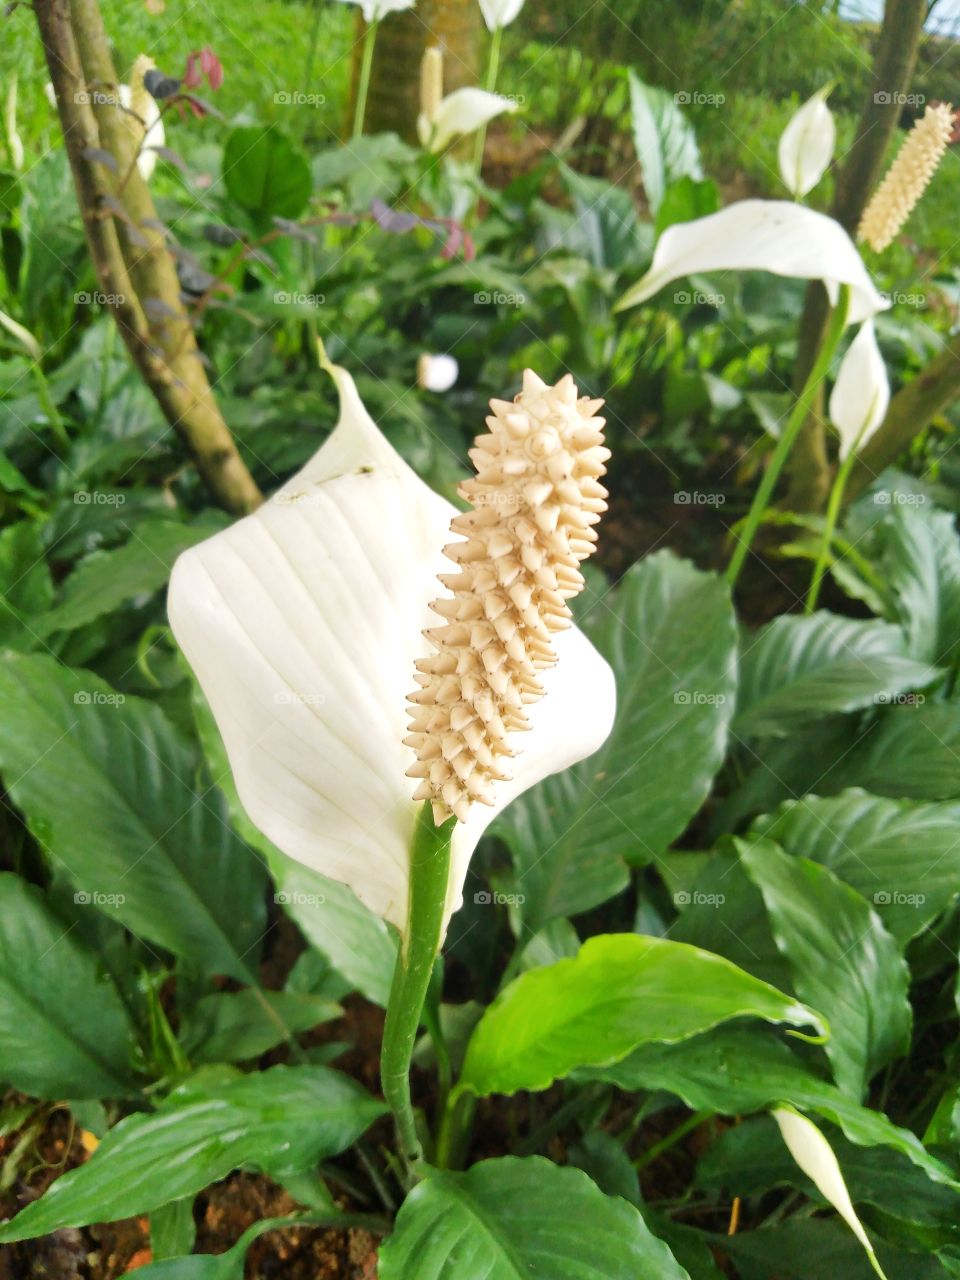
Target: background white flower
(499,13)
(437,373)
(460,112)
(861,393)
(807,143)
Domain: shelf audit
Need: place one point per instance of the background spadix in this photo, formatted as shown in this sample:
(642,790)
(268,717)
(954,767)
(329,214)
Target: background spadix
(302,623)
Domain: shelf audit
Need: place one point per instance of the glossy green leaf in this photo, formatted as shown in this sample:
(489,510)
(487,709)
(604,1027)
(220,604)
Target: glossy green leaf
(921,564)
(64,1031)
(912,754)
(265,173)
(903,857)
(26,589)
(737,1070)
(620,991)
(232,1026)
(510,1219)
(286,1118)
(843,960)
(115,802)
(669,634)
(105,580)
(664,138)
(797,669)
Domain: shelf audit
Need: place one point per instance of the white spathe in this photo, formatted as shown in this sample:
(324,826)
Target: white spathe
(762,235)
(375,10)
(460,112)
(302,623)
(149,111)
(807,143)
(861,393)
(815,1157)
(499,13)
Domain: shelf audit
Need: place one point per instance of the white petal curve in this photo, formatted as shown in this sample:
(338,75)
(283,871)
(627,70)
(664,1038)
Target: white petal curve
(302,623)
(763,235)
(861,394)
(499,13)
(815,1157)
(463,111)
(806,144)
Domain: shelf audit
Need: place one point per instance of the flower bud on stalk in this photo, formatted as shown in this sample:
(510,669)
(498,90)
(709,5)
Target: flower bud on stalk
(535,498)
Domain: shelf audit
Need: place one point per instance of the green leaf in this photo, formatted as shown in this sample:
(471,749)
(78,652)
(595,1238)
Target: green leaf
(797,669)
(26,589)
(903,857)
(510,1219)
(605,228)
(286,1118)
(669,634)
(234,1026)
(105,580)
(802,1248)
(734,1071)
(687,198)
(842,958)
(664,138)
(114,801)
(172,1229)
(921,563)
(620,991)
(912,754)
(266,174)
(64,1031)
(357,943)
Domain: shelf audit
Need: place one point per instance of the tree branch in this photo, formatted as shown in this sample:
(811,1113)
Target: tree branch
(133,264)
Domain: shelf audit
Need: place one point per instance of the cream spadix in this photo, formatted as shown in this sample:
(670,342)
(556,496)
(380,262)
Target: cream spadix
(302,623)
(534,500)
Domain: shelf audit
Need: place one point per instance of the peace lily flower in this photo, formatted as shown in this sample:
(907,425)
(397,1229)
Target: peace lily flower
(377,10)
(807,143)
(763,235)
(303,623)
(437,373)
(815,1157)
(861,393)
(463,111)
(499,13)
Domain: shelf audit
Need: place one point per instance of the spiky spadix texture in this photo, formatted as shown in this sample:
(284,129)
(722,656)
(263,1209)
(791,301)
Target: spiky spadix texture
(534,500)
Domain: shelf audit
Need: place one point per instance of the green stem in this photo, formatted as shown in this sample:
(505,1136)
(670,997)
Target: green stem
(798,417)
(672,1138)
(826,542)
(493,67)
(429,875)
(363,88)
(455,1128)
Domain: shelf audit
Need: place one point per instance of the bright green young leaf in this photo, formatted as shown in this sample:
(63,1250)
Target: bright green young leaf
(903,857)
(669,634)
(116,805)
(687,198)
(233,1026)
(510,1219)
(283,1119)
(620,991)
(266,174)
(735,1071)
(664,138)
(355,941)
(843,960)
(107,579)
(797,668)
(64,1031)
